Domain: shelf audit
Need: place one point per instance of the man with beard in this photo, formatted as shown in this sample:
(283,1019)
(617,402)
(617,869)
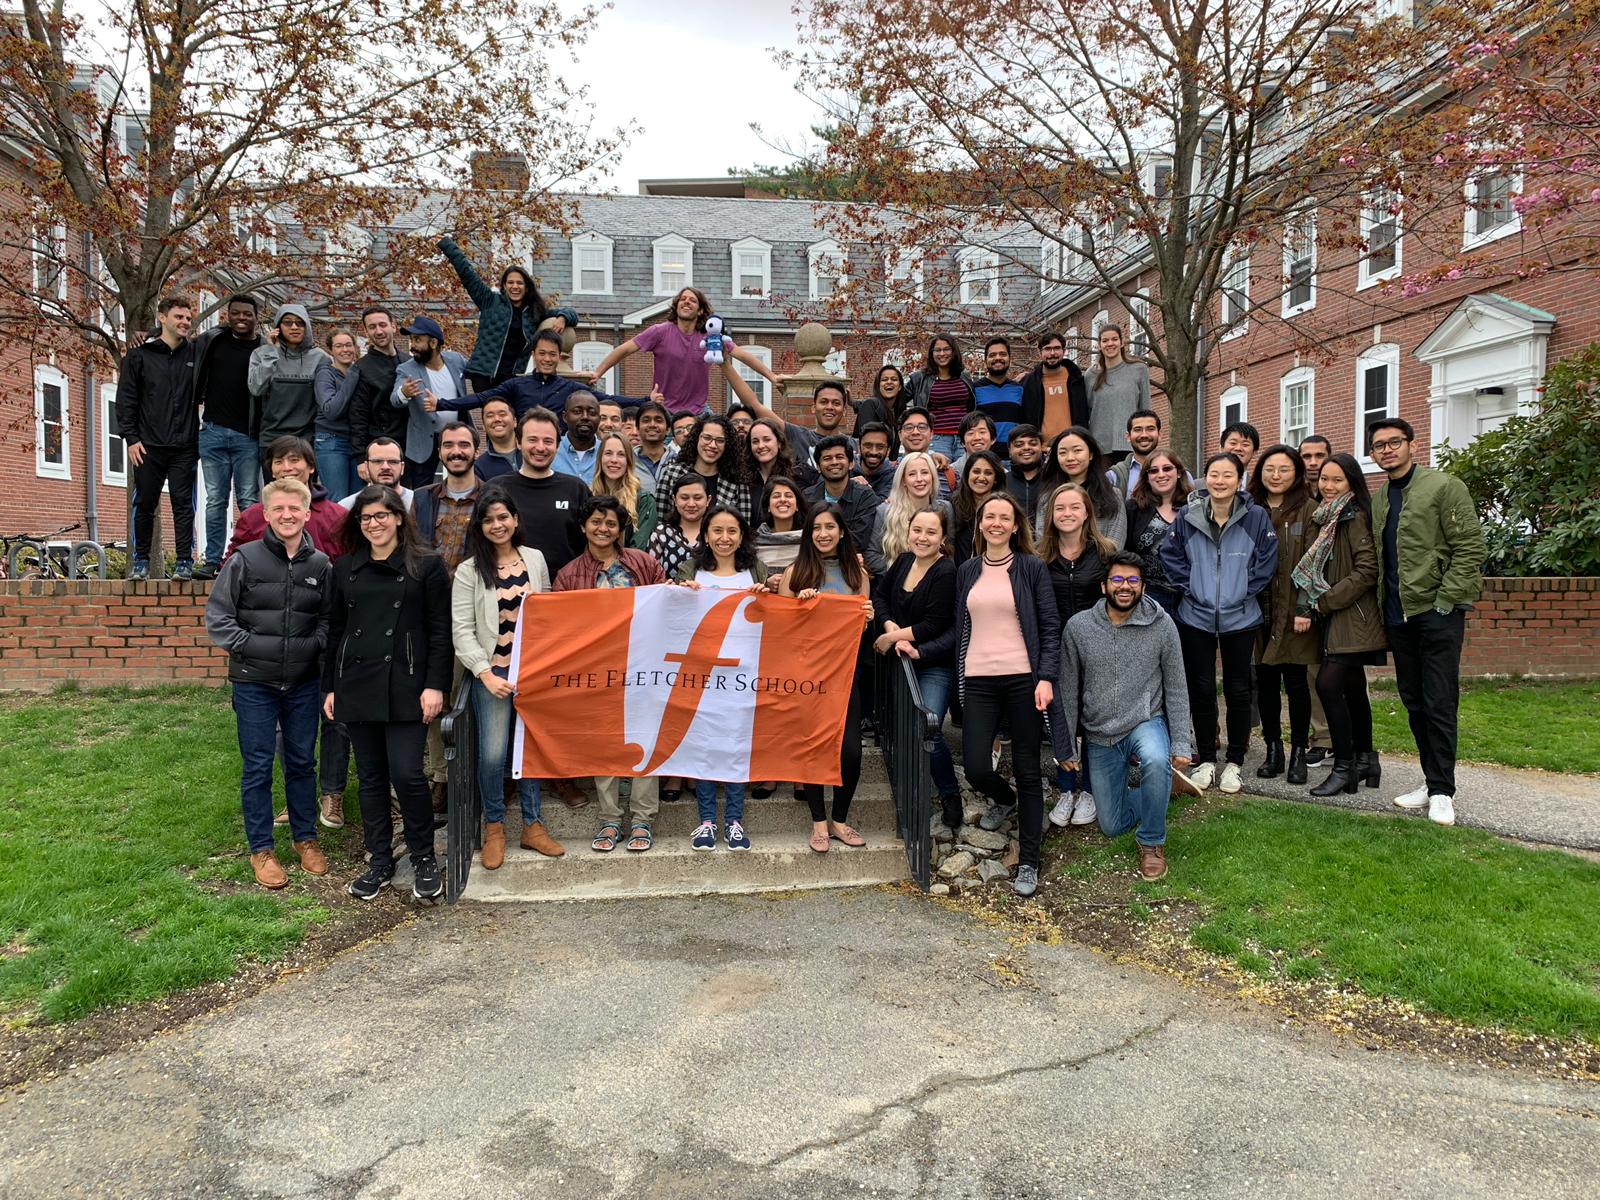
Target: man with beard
(434,377)
(1026,467)
(500,454)
(385,464)
(371,414)
(857,503)
(876,467)
(578,450)
(1144,435)
(230,459)
(828,407)
(1053,393)
(997,395)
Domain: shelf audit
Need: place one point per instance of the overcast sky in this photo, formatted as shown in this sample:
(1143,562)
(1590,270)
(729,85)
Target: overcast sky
(694,76)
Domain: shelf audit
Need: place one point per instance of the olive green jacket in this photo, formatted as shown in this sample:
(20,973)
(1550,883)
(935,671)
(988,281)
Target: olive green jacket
(1441,548)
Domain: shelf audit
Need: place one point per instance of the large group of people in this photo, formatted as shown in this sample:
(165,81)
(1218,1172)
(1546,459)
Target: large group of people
(1053,572)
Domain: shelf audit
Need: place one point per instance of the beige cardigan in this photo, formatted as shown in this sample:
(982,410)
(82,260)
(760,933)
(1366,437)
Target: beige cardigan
(475,613)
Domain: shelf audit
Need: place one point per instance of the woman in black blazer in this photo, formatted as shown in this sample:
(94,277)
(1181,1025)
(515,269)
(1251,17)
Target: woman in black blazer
(386,673)
(916,597)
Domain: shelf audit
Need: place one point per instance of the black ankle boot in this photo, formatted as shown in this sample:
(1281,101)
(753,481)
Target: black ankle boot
(952,811)
(1297,764)
(1368,769)
(1274,764)
(1341,779)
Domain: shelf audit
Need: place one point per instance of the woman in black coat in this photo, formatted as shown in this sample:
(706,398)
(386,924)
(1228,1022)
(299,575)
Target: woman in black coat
(386,673)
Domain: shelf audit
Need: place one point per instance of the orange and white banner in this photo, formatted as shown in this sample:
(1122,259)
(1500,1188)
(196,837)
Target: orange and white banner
(705,684)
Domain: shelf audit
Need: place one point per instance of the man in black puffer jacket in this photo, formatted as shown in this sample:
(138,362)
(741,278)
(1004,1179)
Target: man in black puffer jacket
(269,611)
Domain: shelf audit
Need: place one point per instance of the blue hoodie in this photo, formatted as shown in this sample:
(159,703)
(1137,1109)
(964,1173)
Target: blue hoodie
(1220,573)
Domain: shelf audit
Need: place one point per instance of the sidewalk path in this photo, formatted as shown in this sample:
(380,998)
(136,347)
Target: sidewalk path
(847,1043)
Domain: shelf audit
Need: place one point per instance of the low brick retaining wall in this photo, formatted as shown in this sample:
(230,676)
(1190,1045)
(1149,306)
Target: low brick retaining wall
(116,632)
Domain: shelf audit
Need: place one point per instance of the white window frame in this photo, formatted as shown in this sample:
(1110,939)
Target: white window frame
(43,375)
(1138,339)
(1101,320)
(1471,237)
(1291,234)
(1386,354)
(110,438)
(585,358)
(757,381)
(1235,323)
(825,260)
(1237,394)
(590,240)
(202,301)
(1370,219)
(1299,377)
(50,263)
(745,246)
(1383,10)
(1070,340)
(679,248)
(1052,258)
(901,267)
(976,263)
(110,304)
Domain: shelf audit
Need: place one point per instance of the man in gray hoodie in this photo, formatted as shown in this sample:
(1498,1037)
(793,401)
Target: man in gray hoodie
(282,378)
(1123,689)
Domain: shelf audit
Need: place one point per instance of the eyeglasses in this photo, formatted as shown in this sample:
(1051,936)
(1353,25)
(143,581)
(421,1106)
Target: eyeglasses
(1124,580)
(1163,470)
(707,439)
(383,462)
(916,427)
(1393,443)
(377,518)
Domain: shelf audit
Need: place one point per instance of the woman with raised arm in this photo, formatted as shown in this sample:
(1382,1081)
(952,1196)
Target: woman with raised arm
(508,317)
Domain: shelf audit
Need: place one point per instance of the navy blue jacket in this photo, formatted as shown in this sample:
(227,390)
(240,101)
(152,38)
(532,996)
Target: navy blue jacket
(1219,575)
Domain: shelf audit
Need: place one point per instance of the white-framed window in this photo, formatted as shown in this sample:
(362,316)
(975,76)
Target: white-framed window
(895,358)
(902,272)
(1101,320)
(1300,262)
(591,264)
(1075,264)
(1382,10)
(837,362)
(1490,213)
(586,356)
(980,275)
(256,233)
(1052,256)
(1380,237)
(1235,295)
(113,450)
(751,260)
(1138,338)
(1377,391)
(52,450)
(1233,405)
(1155,177)
(110,304)
(757,381)
(826,268)
(205,300)
(674,264)
(50,263)
(1070,341)
(1296,405)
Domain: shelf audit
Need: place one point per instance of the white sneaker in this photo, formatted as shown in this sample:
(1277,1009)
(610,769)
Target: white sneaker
(1415,798)
(1442,810)
(1230,781)
(1083,811)
(1204,776)
(1061,814)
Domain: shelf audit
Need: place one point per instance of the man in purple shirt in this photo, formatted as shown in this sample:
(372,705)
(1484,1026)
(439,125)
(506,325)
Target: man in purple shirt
(682,375)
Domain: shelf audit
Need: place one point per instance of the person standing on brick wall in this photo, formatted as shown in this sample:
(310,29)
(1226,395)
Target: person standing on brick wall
(230,459)
(1118,387)
(269,611)
(1054,395)
(508,319)
(1430,564)
(282,378)
(371,414)
(158,419)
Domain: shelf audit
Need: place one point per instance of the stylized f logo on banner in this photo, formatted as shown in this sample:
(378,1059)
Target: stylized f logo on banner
(699,659)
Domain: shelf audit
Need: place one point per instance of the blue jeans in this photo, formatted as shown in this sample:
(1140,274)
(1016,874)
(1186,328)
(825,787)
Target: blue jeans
(705,795)
(496,720)
(947,444)
(1167,600)
(936,684)
(1121,809)
(336,469)
(231,463)
(262,710)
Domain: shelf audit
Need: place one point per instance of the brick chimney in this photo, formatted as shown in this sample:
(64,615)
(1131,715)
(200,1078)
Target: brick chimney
(494,171)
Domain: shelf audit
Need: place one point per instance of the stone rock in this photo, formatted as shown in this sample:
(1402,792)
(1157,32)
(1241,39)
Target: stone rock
(991,870)
(977,852)
(974,810)
(939,889)
(941,832)
(958,862)
(983,839)
(1013,854)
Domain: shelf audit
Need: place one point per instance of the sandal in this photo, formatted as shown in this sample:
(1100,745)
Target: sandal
(640,838)
(843,832)
(606,840)
(819,841)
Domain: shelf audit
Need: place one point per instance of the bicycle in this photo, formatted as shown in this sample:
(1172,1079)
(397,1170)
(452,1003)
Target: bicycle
(29,556)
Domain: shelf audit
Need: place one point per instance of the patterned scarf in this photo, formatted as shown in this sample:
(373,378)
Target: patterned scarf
(1310,573)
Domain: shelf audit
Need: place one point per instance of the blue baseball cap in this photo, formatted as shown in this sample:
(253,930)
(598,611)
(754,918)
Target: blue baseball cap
(424,327)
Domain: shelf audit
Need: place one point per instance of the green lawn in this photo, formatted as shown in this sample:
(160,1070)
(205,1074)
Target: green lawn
(1451,920)
(1517,723)
(123,873)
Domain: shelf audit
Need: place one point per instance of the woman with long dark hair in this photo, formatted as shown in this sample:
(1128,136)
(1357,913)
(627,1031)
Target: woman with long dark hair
(1285,643)
(508,317)
(887,403)
(1118,387)
(386,672)
(943,388)
(1337,577)
(711,453)
(1075,456)
(486,603)
(771,458)
(1153,508)
(784,509)
(981,476)
(678,532)
(828,562)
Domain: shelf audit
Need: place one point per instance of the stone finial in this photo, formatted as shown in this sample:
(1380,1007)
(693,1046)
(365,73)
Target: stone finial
(813,342)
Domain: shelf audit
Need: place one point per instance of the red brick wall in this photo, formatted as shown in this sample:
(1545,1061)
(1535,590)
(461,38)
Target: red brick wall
(1535,627)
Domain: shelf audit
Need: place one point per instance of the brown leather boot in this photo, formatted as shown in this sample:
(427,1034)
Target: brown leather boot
(312,860)
(536,837)
(494,845)
(1152,863)
(269,871)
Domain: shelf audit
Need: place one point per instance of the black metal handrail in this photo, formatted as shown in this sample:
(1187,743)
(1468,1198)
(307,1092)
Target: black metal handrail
(906,729)
(465,827)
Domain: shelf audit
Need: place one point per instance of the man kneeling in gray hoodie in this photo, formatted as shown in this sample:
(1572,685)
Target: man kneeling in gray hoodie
(1122,686)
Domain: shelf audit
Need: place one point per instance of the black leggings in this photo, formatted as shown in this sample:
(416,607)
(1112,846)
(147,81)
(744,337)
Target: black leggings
(1293,678)
(849,769)
(391,753)
(1343,688)
(993,700)
(1200,670)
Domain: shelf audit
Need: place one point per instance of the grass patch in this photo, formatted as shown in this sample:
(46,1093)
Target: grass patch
(1513,722)
(123,872)
(1452,921)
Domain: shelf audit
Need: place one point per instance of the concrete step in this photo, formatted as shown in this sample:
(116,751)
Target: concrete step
(779,815)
